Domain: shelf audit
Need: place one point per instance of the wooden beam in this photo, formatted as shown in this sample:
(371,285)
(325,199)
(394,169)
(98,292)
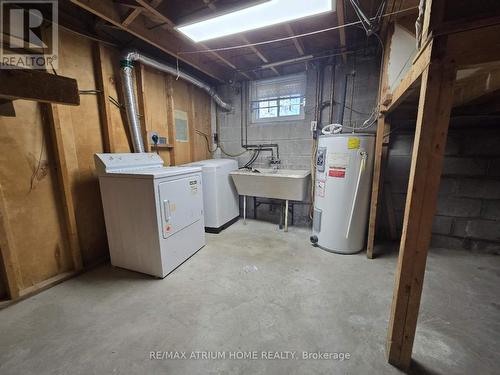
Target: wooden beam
(382,125)
(52,114)
(8,252)
(7,108)
(436,94)
(38,86)
(382,128)
(296,42)
(102,84)
(482,82)
(165,41)
(472,47)
(342,34)
(133,14)
(169,25)
(259,54)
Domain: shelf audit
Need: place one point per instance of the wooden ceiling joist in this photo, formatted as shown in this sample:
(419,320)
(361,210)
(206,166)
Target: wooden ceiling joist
(169,25)
(133,14)
(296,42)
(341,21)
(259,54)
(166,42)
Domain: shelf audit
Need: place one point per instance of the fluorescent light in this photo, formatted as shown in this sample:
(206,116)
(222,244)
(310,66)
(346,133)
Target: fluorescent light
(262,15)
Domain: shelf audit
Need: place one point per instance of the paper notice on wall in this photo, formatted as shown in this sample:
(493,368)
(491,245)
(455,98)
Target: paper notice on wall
(338,159)
(320,188)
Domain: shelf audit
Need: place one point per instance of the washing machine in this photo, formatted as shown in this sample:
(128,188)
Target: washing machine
(220,198)
(153,214)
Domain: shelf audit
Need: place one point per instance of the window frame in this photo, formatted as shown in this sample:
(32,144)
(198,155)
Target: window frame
(254,103)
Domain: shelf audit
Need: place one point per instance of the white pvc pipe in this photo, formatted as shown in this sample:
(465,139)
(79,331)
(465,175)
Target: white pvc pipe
(364,156)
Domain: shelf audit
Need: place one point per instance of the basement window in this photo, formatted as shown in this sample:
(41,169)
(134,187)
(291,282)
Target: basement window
(278,99)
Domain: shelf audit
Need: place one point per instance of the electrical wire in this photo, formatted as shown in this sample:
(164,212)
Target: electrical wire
(292,37)
(207,140)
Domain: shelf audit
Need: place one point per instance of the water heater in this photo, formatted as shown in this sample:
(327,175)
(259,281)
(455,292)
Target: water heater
(344,165)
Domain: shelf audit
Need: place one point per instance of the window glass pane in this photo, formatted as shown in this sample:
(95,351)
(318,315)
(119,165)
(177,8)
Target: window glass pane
(268,109)
(290,107)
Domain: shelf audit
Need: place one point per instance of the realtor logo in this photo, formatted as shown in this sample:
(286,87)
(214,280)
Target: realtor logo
(30,35)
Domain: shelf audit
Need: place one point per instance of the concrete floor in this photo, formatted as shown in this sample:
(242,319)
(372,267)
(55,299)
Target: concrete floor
(254,288)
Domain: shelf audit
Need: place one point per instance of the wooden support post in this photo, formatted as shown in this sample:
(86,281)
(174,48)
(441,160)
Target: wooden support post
(104,107)
(8,252)
(436,95)
(52,114)
(382,128)
(376,185)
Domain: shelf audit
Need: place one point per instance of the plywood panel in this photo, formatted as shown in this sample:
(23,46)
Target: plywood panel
(111,69)
(33,207)
(82,135)
(201,107)
(155,103)
(182,102)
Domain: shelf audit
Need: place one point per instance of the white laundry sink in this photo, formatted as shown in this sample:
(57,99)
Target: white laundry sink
(284,184)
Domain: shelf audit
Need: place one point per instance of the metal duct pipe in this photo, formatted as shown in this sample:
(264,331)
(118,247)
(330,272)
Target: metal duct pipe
(127,65)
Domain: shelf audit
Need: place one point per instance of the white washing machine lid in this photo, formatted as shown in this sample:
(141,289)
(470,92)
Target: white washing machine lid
(139,165)
(214,163)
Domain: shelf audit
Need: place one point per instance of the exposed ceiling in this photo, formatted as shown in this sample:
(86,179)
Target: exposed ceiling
(151,22)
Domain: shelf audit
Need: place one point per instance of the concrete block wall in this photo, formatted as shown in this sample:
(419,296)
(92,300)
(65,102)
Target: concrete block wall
(468,209)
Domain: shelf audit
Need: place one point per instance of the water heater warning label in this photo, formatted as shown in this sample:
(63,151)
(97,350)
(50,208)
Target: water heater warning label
(337,172)
(353,143)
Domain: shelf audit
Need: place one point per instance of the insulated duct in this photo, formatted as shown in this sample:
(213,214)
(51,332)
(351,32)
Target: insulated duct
(127,66)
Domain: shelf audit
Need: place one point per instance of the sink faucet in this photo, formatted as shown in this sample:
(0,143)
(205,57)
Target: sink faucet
(274,163)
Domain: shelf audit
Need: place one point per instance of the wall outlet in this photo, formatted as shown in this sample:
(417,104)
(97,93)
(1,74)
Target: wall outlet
(161,139)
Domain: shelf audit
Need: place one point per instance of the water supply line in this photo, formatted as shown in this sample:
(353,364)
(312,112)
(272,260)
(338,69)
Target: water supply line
(362,165)
(127,67)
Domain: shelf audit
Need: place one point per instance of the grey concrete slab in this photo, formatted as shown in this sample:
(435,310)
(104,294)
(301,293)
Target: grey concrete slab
(255,288)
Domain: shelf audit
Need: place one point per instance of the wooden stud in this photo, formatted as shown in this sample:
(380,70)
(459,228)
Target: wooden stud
(376,185)
(52,114)
(171,116)
(191,122)
(8,252)
(296,42)
(436,95)
(102,84)
(382,128)
(342,33)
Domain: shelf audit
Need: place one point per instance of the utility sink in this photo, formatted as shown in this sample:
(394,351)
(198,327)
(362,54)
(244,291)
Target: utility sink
(284,184)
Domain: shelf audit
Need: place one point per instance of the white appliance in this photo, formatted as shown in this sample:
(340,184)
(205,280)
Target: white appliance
(344,164)
(153,214)
(220,198)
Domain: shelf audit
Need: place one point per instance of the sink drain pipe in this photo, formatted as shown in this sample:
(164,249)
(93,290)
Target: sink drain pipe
(127,66)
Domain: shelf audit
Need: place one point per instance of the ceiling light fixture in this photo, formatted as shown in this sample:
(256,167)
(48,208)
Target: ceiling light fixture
(255,17)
